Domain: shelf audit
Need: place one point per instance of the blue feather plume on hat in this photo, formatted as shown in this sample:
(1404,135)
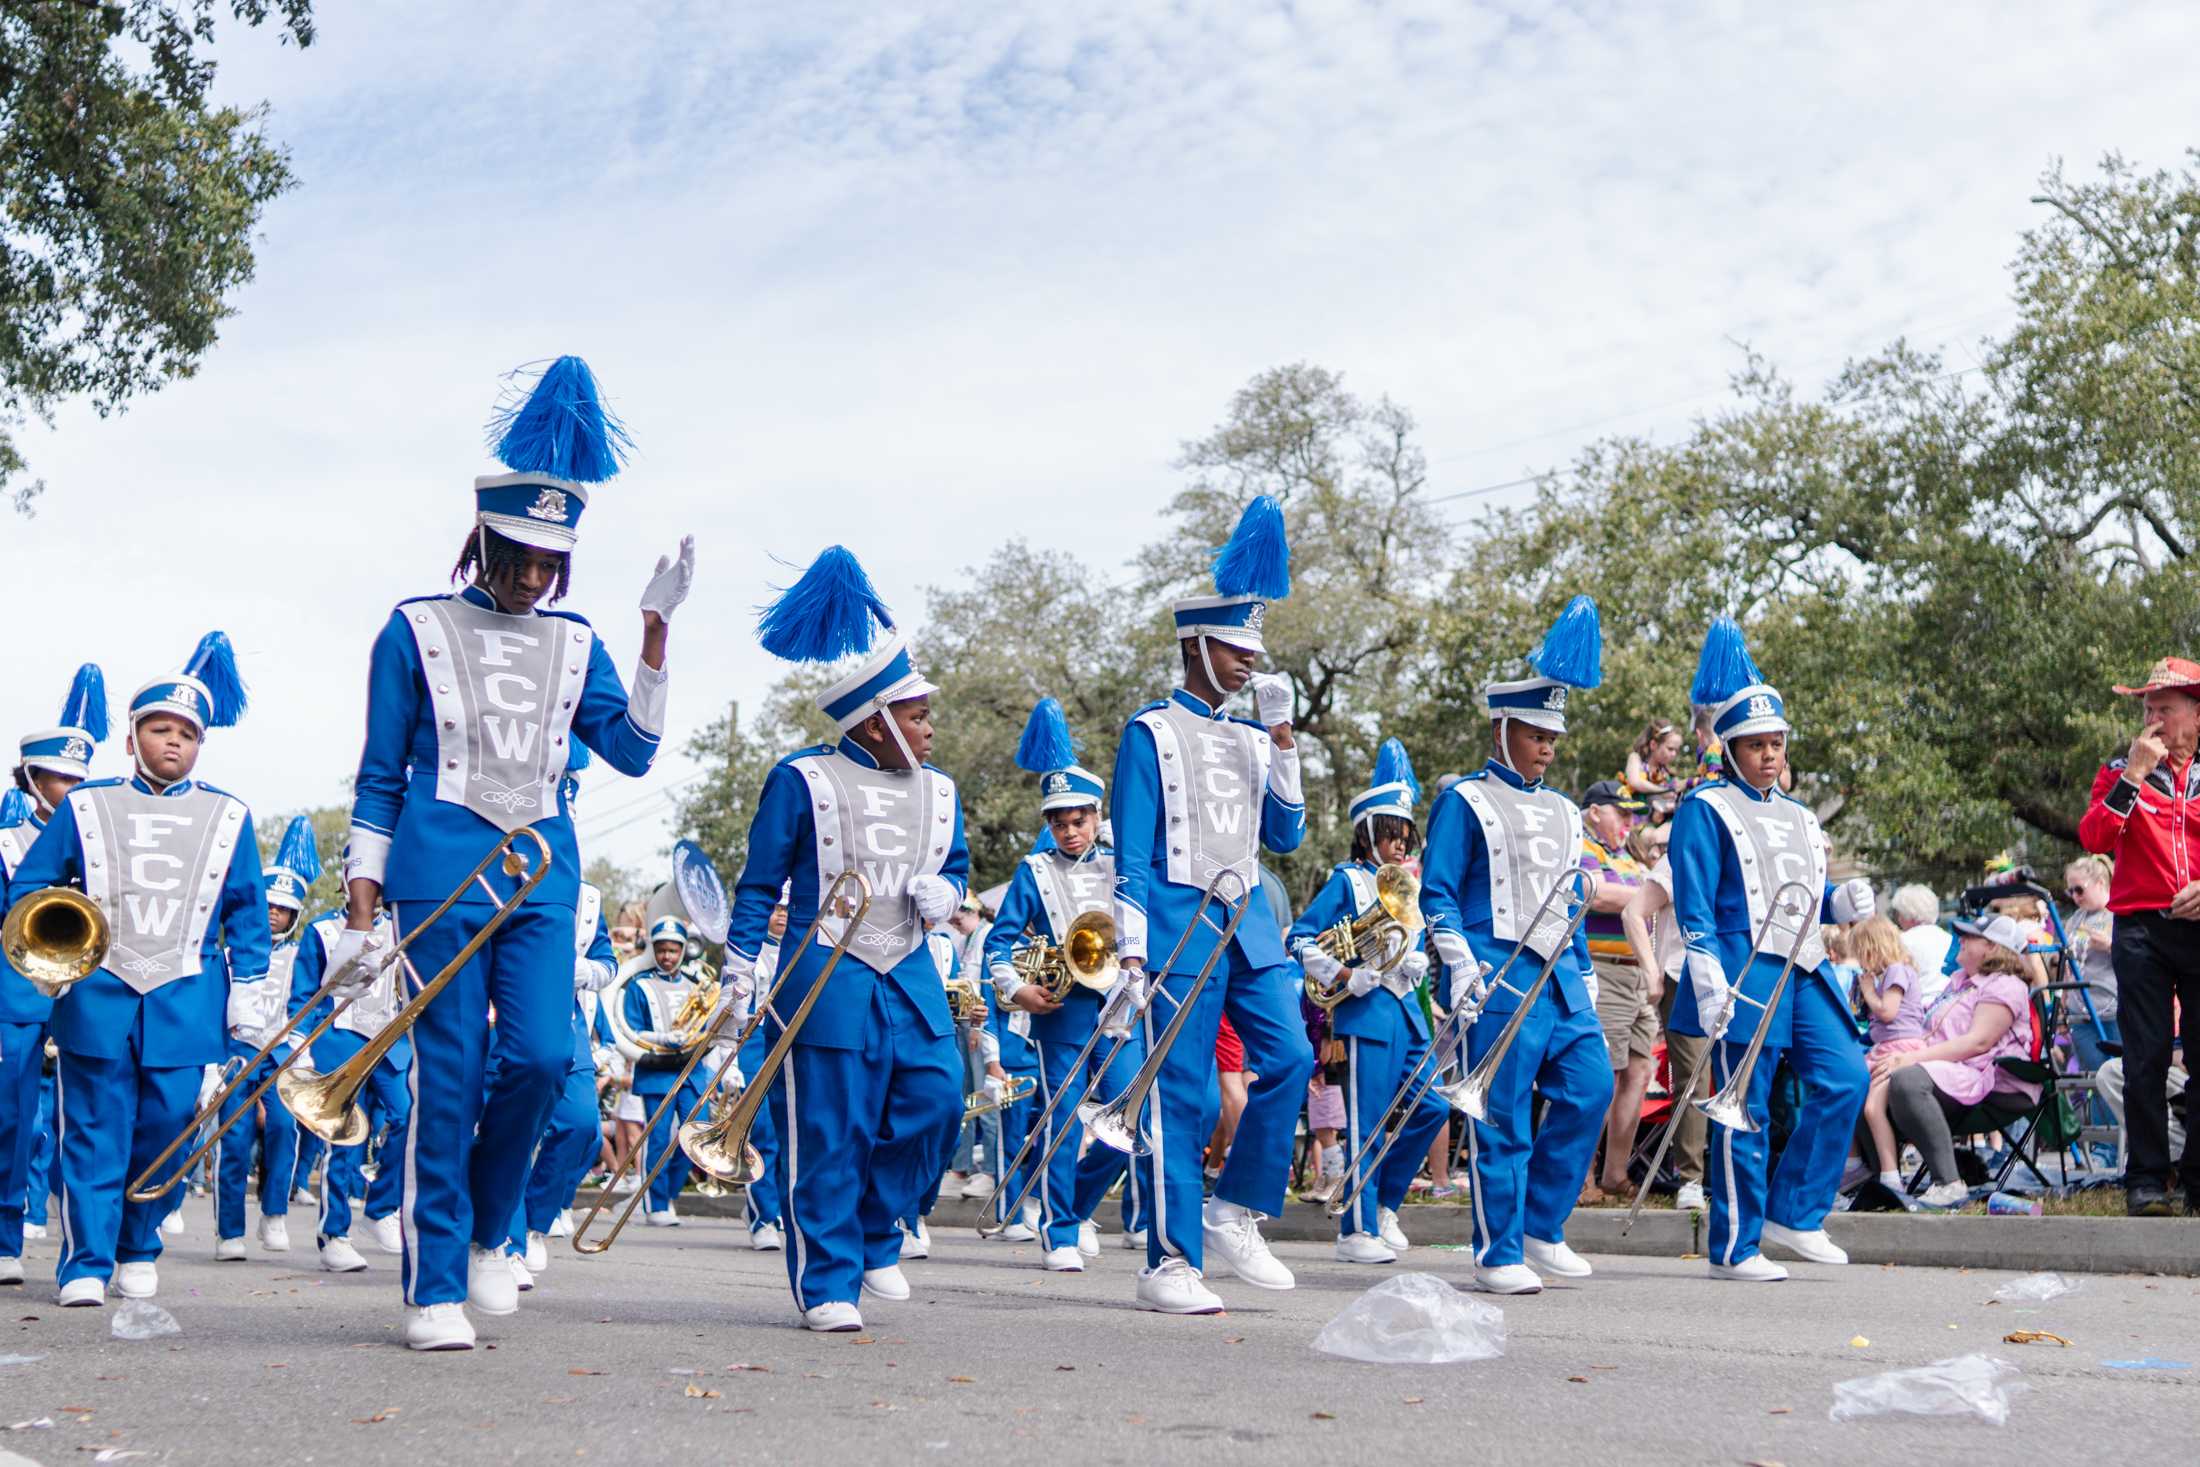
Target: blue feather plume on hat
(1393,765)
(15,808)
(214,663)
(1257,559)
(825,615)
(1573,649)
(298,852)
(86,705)
(1046,744)
(1724,666)
(561,428)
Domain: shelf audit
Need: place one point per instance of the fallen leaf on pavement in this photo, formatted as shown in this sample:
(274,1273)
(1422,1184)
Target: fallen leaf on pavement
(1065,1367)
(697,1393)
(1415,1400)
(2033,1337)
(1234,1340)
(1577,1380)
(961,1380)
(580,1370)
(744,1365)
(1781,1411)
(864,1340)
(559,1400)
(1325,1416)
(382,1415)
(1859,1343)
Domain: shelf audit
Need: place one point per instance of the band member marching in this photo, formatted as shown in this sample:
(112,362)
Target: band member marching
(872,1081)
(1051,889)
(1499,841)
(653,1004)
(174,865)
(760,1200)
(51,762)
(1379,1016)
(256,1011)
(474,700)
(1736,841)
(1198,794)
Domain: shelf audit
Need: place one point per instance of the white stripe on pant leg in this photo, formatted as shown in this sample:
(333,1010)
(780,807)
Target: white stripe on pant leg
(1160,1152)
(58,1172)
(1474,1165)
(1352,1121)
(1041,1149)
(1726,1139)
(408,1233)
(790,1156)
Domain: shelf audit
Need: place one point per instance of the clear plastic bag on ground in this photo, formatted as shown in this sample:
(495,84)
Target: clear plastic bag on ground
(1968,1385)
(141,1319)
(2036,1288)
(1415,1319)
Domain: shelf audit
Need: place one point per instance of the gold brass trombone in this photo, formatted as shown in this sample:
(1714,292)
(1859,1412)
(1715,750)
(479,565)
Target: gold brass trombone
(1379,936)
(726,1135)
(1014,1091)
(1472,1094)
(55,938)
(324,1104)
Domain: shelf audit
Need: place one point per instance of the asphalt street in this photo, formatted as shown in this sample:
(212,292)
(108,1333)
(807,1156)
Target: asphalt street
(681,1347)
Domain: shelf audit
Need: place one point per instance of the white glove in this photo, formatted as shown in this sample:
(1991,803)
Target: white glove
(730,1078)
(1272,697)
(590,976)
(662,1038)
(1124,1002)
(995,1088)
(934,896)
(1362,982)
(1853,901)
(210,1080)
(670,584)
(1714,1000)
(1453,949)
(1470,985)
(1320,966)
(304,1067)
(358,959)
(1412,968)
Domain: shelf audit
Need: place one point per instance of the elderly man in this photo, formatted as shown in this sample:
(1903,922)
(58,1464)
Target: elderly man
(1627,994)
(2145,814)
(1917,912)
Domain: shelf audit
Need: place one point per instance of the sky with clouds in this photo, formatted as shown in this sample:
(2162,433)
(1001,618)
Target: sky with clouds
(923,277)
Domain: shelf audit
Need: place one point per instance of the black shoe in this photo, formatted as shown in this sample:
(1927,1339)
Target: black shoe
(2147,1200)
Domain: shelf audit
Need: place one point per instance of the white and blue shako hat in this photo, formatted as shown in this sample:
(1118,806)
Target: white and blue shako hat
(297,866)
(830,613)
(555,442)
(1572,656)
(208,692)
(668,929)
(1047,751)
(1391,790)
(1729,684)
(1253,569)
(67,747)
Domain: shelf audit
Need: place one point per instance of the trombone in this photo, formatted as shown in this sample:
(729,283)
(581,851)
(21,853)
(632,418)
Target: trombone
(324,1104)
(55,937)
(1015,1090)
(1730,1107)
(1381,935)
(726,1135)
(1039,1124)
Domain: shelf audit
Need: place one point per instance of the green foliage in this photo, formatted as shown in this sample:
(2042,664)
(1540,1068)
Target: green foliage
(331,828)
(619,884)
(130,201)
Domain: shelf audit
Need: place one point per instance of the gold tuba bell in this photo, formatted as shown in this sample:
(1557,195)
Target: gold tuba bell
(1084,959)
(1378,937)
(55,938)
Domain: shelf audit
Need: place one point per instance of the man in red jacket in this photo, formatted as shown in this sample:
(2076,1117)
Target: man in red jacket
(2146,814)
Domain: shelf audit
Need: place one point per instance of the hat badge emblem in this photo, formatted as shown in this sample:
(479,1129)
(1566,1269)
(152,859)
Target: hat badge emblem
(1555,701)
(1057,784)
(185,697)
(1255,615)
(1760,706)
(548,505)
(76,749)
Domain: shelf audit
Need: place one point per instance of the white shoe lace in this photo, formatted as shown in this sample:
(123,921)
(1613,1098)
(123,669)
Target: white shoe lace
(442,1313)
(1243,1231)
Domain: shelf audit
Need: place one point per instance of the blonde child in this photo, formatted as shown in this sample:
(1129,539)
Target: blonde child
(1887,985)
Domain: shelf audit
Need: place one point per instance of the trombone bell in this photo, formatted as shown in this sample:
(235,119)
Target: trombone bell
(712,1149)
(1729,1108)
(324,1105)
(55,938)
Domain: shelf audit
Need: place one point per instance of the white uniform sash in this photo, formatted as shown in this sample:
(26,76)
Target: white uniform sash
(1777,841)
(889,825)
(502,689)
(1214,778)
(155,865)
(1534,840)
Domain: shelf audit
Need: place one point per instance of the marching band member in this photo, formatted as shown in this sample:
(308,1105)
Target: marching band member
(985,1053)
(1051,889)
(1499,841)
(256,1011)
(1380,1020)
(174,865)
(760,1201)
(1198,794)
(51,762)
(1736,841)
(872,1080)
(474,701)
(653,1001)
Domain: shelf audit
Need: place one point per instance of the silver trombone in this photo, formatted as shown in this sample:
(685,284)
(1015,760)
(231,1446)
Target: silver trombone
(1088,1110)
(1730,1107)
(1471,1092)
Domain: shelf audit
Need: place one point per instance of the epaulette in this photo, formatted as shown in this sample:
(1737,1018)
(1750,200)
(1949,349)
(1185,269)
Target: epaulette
(415,600)
(567,615)
(810,753)
(110,782)
(1150,707)
(214,789)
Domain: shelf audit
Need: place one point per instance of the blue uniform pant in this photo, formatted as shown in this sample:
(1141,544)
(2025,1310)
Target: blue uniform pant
(113,1116)
(929,1198)
(1377,1068)
(271,1130)
(312,1151)
(1072,1189)
(387,1100)
(22,1056)
(763,1196)
(469,1147)
(39,1184)
(1828,1062)
(1528,1177)
(1262,1005)
(666,1133)
(568,1146)
(862,1133)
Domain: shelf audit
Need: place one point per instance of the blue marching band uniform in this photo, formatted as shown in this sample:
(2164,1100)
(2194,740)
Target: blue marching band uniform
(649,1003)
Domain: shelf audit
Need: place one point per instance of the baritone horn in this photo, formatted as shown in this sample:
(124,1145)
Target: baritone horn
(55,938)
(1085,958)
(1379,937)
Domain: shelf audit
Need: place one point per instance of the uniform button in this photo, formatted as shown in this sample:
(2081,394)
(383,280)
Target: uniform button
(443,687)
(435,651)
(450,764)
(569,702)
(828,840)
(421,617)
(573,667)
(939,850)
(580,637)
(1172,789)
(1176,820)
(450,723)
(1166,756)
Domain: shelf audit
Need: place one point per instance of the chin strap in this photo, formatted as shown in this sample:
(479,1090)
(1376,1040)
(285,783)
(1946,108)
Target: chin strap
(1504,741)
(893,729)
(1208,663)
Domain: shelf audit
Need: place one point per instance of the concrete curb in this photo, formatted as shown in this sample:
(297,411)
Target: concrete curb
(2025,1244)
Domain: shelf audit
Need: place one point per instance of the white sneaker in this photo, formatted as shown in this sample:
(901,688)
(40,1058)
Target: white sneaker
(338,1256)
(490,1286)
(1135,1238)
(1755,1269)
(664,1219)
(1016,1232)
(1064,1260)
(1088,1239)
(1812,1247)
(1175,1288)
(1510,1278)
(626,1184)
(561,1226)
(229,1250)
(981,1184)
(172,1225)
(887,1283)
(34,1232)
(11,1270)
(1555,1258)
(1689,1198)
(766,1238)
(916,1242)
(1946,1194)
(1386,1222)
(537,1256)
(835,1318)
(438,1327)
(389,1233)
(275,1234)
(82,1293)
(1364,1248)
(1233,1236)
(522,1279)
(303,1197)
(138,1280)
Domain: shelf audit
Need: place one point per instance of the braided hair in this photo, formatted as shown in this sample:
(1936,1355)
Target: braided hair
(497,558)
